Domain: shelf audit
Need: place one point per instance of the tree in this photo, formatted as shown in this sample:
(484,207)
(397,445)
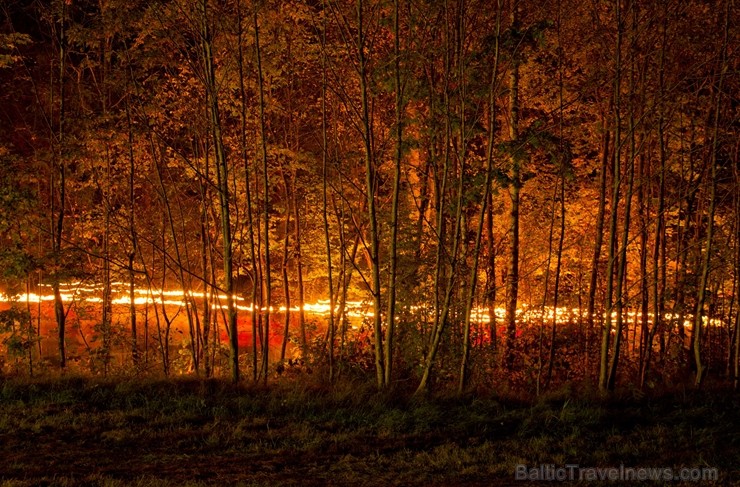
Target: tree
(515,186)
(703,280)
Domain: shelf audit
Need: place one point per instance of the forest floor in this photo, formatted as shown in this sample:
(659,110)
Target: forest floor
(76,431)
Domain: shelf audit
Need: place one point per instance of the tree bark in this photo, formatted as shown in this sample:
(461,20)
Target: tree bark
(266,185)
(223,186)
(370,187)
(704,278)
(472,281)
(512,277)
(393,251)
(607,327)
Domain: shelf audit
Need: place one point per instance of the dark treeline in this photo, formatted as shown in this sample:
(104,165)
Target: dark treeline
(442,160)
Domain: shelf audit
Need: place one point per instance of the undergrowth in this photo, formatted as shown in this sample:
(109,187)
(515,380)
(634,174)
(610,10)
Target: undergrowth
(81,431)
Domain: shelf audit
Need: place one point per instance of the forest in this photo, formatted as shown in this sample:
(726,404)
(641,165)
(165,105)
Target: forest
(467,195)
(369,242)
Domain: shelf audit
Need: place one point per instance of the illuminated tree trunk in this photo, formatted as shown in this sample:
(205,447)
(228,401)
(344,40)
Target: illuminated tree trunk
(556,290)
(107,305)
(209,287)
(57,216)
(599,240)
(133,237)
(370,187)
(442,316)
(389,331)
(642,210)
(299,271)
(223,188)
(440,187)
(658,291)
(256,277)
(266,187)
(622,258)
(622,266)
(491,275)
(561,197)
(324,210)
(462,384)
(607,327)
(284,269)
(292,140)
(543,309)
(704,278)
(106,192)
(512,278)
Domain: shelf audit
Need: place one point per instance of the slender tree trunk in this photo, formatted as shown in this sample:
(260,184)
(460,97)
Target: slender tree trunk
(599,240)
(256,276)
(324,205)
(370,187)
(284,270)
(622,259)
(57,220)
(464,373)
(607,328)
(704,278)
(266,184)
(512,277)
(556,289)
(134,239)
(107,292)
(561,197)
(622,264)
(548,265)
(206,266)
(491,286)
(642,210)
(440,187)
(443,316)
(393,251)
(299,271)
(223,183)
(659,243)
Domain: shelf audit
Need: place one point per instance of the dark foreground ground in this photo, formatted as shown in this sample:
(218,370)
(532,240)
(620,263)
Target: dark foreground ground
(165,433)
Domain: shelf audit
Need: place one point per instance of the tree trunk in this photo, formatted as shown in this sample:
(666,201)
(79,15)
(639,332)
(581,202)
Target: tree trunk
(704,278)
(299,271)
(462,384)
(324,208)
(223,186)
(441,301)
(659,243)
(512,277)
(284,270)
(598,243)
(393,251)
(134,240)
(57,220)
(561,197)
(266,184)
(370,187)
(607,328)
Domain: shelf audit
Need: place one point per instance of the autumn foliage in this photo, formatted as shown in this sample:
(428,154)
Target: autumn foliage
(500,195)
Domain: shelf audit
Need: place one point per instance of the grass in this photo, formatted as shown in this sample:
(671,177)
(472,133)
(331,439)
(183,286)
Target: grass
(77,431)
